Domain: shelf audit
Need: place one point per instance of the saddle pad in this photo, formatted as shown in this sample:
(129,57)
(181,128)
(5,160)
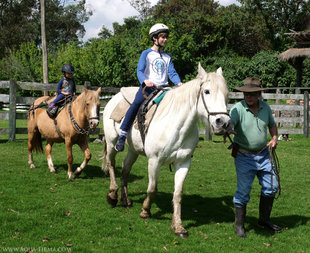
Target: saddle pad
(120,111)
(129,93)
(121,108)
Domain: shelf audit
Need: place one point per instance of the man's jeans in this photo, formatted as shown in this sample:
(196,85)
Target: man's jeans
(247,167)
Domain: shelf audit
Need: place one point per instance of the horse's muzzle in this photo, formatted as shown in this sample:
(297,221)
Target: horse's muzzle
(93,123)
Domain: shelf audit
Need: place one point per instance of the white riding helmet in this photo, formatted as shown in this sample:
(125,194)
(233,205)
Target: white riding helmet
(157,29)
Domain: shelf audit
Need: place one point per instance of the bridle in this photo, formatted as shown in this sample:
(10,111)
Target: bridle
(76,127)
(205,104)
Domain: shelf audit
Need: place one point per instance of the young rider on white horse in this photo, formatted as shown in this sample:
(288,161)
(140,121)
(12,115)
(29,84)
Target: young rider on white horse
(154,68)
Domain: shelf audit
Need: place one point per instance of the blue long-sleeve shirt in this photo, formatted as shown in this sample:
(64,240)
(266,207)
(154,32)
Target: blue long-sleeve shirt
(156,67)
(66,85)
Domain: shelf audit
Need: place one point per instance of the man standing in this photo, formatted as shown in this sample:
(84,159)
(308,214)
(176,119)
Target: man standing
(250,119)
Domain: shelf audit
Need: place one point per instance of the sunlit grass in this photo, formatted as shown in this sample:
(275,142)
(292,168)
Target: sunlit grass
(40,209)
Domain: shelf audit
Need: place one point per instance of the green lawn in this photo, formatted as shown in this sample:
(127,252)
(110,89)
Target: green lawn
(40,210)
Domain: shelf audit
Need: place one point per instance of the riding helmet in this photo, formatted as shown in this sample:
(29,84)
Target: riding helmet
(67,68)
(157,29)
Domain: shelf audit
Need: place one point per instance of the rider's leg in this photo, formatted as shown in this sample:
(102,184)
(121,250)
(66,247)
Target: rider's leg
(130,117)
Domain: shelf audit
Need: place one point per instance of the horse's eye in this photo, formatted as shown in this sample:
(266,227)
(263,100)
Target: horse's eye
(207,92)
(87,104)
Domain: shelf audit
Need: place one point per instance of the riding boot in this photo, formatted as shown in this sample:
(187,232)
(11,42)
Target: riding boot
(120,143)
(239,221)
(265,207)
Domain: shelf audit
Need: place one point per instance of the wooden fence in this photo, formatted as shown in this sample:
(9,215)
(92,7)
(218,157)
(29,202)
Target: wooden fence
(291,117)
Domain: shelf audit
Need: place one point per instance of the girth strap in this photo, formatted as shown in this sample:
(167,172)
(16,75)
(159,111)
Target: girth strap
(57,128)
(142,113)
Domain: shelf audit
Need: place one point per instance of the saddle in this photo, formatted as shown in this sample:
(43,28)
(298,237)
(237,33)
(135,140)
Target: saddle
(52,112)
(146,110)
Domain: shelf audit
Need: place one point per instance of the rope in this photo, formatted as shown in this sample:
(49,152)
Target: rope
(275,166)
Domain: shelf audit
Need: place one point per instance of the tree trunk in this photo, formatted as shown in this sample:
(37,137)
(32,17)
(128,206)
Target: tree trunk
(44,51)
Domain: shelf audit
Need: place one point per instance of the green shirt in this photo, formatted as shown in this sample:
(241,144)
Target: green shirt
(251,130)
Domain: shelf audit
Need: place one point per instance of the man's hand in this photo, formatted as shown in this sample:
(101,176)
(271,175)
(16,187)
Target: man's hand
(273,143)
(228,132)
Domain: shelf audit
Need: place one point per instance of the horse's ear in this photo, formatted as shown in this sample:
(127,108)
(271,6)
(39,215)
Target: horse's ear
(99,90)
(201,72)
(219,71)
(85,90)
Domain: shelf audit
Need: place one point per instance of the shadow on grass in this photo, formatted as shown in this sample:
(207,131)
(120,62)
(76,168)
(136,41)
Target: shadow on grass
(203,210)
(286,222)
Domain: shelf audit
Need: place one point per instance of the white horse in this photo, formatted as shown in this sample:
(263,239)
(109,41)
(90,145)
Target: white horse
(171,138)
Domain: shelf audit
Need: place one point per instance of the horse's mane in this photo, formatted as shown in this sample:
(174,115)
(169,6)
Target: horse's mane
(177,99)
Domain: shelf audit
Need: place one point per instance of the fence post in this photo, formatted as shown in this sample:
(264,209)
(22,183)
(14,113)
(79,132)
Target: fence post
(86,84)
(306,114)
(278,113)
(12,112)
(208,134)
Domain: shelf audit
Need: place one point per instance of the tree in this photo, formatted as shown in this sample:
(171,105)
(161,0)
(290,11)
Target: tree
(278,16)
(20,23)
(44,51)
(141,6)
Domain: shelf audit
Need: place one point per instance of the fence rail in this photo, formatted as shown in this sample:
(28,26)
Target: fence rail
(291,118)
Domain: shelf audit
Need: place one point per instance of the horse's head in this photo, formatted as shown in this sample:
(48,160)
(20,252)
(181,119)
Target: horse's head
(212,104)
(92,106)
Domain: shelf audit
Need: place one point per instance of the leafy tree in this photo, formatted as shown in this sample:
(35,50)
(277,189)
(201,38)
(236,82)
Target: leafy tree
(278,16)
(20,23)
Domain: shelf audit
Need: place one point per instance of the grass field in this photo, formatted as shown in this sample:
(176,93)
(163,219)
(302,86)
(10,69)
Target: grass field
(49,213)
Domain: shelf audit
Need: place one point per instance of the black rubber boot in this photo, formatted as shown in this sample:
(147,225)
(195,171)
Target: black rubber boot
(120,143)
(239,221)
(265,207)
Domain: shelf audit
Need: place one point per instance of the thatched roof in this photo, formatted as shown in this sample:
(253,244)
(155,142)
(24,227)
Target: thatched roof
(293,53)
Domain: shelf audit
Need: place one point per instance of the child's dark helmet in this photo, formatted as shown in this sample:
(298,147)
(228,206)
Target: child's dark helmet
(67,68)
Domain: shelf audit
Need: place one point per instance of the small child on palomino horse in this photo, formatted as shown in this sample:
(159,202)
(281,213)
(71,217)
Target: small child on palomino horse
(66,87)
(154,68)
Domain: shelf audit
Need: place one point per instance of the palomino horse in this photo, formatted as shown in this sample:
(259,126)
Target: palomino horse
(71,126)
(171,138)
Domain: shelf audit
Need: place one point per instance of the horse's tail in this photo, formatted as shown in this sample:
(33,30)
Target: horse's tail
(37,142)
(104,166)
(34,135)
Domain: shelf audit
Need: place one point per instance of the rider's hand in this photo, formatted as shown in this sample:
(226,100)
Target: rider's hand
(179,84)
(148,83)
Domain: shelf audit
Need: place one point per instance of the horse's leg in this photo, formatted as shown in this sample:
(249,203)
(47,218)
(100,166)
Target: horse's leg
(84,147)
(48,152)
(153,172)
(179,177)
(110,166)
(69,157)
(127,164)
(30,148)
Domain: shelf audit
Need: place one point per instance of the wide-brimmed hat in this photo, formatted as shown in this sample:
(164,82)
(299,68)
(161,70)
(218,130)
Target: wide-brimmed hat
(250,84)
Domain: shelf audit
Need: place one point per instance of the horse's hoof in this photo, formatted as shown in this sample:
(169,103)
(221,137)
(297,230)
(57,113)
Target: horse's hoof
(70,175)
(77,174)
(32,166)
(182,235)
(145,215)
(111,202)
(126,204)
